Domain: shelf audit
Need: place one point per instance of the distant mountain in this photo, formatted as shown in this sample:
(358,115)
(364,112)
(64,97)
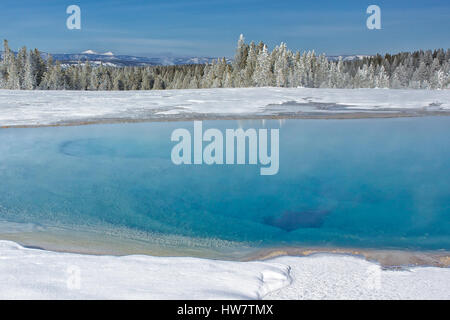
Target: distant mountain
(110,59)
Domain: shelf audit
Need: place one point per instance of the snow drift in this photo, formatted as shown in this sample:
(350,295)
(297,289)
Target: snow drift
(37,274)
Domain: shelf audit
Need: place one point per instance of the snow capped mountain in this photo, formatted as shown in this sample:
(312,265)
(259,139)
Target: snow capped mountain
(349,57)
(110,59)
(109,53)
(89,52)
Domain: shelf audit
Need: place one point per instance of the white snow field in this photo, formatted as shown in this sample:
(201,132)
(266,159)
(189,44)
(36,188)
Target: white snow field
(23,108)
(327,276)
(38,274)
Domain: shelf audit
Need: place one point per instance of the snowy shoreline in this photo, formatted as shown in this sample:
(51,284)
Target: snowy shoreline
(37,274)
(89,241)
(53,108)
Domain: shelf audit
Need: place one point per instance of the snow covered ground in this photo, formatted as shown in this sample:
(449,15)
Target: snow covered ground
(37,274)
(22,108)
(326,276)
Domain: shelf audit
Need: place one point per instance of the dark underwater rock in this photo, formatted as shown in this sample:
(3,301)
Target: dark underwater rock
(293,220)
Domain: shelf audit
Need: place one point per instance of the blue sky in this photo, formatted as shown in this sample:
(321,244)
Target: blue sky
(211,28)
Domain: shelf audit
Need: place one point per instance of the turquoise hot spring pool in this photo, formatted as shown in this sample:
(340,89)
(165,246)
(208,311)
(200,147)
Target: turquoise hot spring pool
(370,183)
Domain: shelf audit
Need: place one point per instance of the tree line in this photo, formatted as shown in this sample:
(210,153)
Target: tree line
(253,66)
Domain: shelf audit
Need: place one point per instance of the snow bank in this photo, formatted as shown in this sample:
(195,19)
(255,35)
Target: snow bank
(58,107)
(37,274)
(324,276)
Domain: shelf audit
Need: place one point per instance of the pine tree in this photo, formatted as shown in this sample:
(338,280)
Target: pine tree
(39,66)
(85,75)
(281,66)
(262,76)
(420,76)
(321,72)
(56,77)
(13,82)
(228,79)
(146,80)
(29,82)
(240,59)
(20,62)
(250,66)
(381,79)
(118,82)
